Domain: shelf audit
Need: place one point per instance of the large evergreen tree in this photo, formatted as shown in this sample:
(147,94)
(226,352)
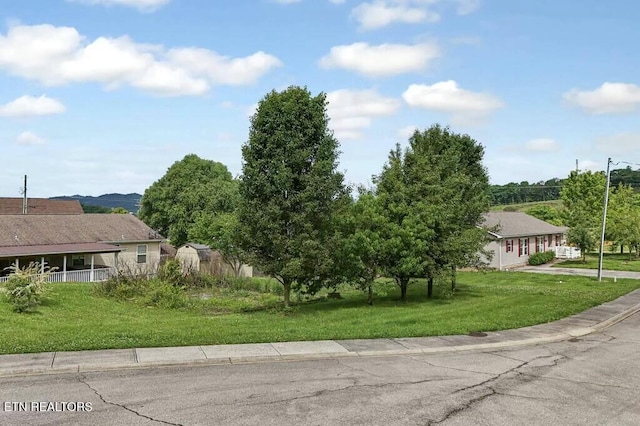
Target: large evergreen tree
(290,188)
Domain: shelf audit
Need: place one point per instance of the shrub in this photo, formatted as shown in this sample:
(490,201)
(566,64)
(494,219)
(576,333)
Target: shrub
(510,209)
(26,287)
(541,258)
(164,294)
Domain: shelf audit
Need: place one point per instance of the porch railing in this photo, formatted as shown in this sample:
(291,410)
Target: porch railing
(81,276)
(564,252)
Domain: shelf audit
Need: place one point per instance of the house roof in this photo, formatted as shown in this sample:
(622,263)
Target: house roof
(34,230)
(518,224)
(10,205)
(43,250)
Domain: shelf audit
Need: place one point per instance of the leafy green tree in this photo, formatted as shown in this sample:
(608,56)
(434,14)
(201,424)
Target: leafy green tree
(220,232)
(87,208)
(583,199)
(191,187)
(456,191)
(119,210)
(406,235)
(623,218)
(290,189)
(358,254)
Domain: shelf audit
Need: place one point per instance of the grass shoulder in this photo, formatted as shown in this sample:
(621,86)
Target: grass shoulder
(610,262)
(73,317)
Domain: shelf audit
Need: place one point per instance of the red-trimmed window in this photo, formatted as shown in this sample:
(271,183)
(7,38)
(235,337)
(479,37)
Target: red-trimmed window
(509,245)
(523,247)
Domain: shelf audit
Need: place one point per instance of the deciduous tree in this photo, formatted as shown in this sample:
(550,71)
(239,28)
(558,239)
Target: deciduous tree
(191,187)
(290,188)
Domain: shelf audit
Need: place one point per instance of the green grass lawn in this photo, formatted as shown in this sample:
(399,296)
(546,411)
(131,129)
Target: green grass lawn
(73,317)
(610,261)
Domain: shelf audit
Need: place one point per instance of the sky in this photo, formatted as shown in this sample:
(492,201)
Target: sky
(101,96)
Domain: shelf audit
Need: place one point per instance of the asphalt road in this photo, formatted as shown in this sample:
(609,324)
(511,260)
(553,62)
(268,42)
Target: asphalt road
(591,380)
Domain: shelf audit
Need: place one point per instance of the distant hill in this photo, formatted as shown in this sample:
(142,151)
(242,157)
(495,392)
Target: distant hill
(128,201)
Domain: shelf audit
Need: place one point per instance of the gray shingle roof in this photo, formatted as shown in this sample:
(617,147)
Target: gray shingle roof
(30,230)
(518,224)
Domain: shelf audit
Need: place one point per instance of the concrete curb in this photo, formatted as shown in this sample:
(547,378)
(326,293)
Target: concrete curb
(277,356)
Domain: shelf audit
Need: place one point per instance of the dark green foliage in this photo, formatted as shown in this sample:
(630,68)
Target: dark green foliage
(95,209)
(525,192)
(26,287)
(583,198)
(191,188)
(541,258)
(290,189)
(432,196)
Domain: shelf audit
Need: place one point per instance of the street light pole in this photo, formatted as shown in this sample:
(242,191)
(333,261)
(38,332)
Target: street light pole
(604,220)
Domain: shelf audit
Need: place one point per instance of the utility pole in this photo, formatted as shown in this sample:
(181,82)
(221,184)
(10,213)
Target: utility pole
(604,219)
(24,196)
(577,170)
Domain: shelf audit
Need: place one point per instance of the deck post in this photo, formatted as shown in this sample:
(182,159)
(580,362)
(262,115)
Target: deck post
(91,274)
(64,268)
(42,265)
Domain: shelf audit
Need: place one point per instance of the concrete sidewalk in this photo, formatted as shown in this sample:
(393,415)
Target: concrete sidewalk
(548,269)
(581,324)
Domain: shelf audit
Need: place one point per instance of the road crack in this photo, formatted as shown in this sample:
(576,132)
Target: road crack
(82,379)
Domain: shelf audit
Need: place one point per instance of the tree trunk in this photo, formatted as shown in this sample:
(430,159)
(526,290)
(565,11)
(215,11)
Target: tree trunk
(403,283)
(287,292)
(453,278)
(430,287)
(370,295)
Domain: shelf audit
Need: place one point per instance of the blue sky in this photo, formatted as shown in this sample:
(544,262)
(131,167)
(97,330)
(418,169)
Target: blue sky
(102,96)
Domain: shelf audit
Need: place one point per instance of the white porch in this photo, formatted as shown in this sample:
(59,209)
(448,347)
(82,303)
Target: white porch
(565,252)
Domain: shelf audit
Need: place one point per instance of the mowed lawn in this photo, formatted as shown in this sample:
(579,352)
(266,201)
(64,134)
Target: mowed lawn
(74,318)
(610,262)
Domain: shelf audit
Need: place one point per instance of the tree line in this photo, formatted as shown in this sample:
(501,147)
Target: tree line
(291,215)
(526,192)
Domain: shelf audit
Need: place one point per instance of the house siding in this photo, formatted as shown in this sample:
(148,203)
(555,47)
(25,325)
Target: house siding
(506,260)
(128,257)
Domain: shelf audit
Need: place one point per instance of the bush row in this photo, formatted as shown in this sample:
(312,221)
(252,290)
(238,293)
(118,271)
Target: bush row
(541,258)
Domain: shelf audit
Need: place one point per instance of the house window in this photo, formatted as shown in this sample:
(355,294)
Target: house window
(77,260)
(509,246)
(141,253)
(523,249)
(539,244)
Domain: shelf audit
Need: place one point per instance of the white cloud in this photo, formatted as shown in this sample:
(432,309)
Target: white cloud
(26,106)
(143,5)
(465,7)
(60,55)
(465,107)
(222,69)
(29,138)
(610,98)
(381,60)
(351,111)
(381,13)
(594,166)
(620,143)
(542,145)
(407,131)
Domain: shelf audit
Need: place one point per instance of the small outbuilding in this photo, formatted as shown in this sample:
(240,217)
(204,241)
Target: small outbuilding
(201,258)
